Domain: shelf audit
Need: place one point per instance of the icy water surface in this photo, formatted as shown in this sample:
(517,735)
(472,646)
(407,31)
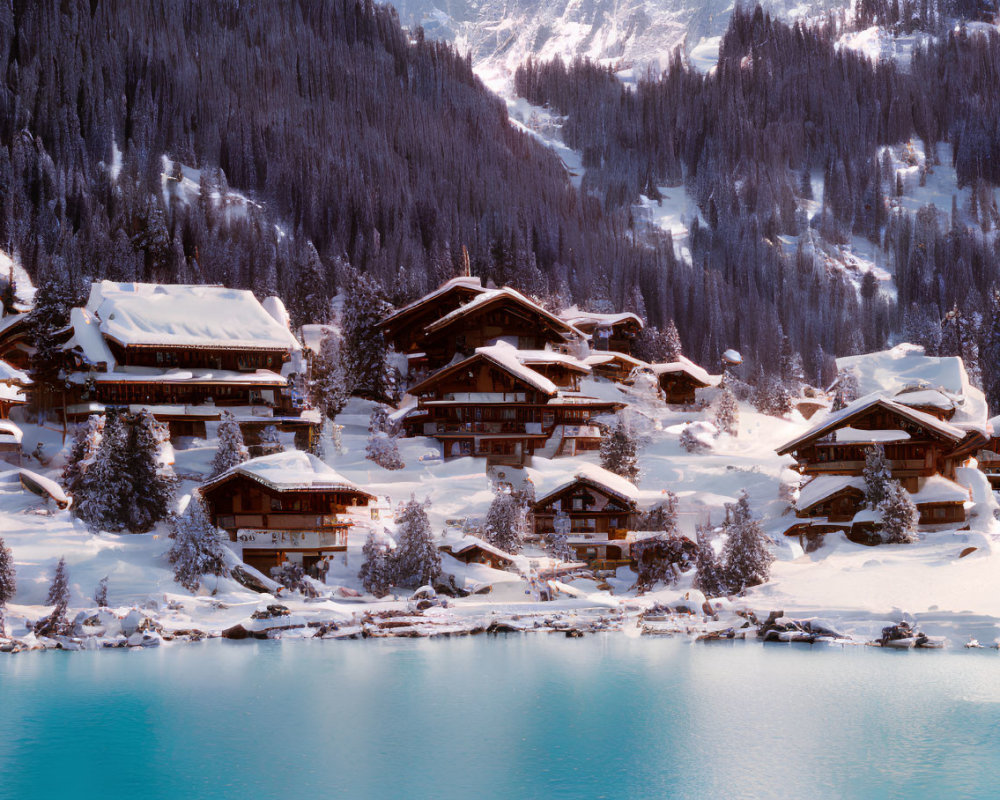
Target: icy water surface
(535,716)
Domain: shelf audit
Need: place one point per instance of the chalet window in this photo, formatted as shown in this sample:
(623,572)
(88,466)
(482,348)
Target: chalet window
(276,504)
(578,504)
(227,522)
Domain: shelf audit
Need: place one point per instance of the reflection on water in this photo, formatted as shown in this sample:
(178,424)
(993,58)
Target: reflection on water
(517,717)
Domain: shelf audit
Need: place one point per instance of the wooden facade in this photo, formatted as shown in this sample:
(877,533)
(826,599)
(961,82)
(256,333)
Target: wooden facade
(616,332)
(482,407)
(473,551)
(404,328)
(272,523)
(679,386)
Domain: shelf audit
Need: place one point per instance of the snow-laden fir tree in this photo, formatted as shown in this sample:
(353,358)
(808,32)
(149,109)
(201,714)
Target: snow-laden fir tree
(846,391)
(151,484)
(378,420)
(384,451)
(197,550)
(416,560)
(727,413)
(105,487)
(505,522)
(101,593)
(364,347)
(292,576)
(330,379)
(58,598)
(990,352)
(877,474)
(376,568)
(709,575)
(899,515)
(619,451)
(231,451)
(672,343)
(8,583)
(86,440)
(662,517)
(746,556)
(50,313)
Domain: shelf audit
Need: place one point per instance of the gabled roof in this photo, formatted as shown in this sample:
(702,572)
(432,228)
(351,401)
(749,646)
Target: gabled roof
(840,419)
(13,376)
(607,356)
(600,478)
(288,471)
(175,315)
(939,489)
(538,357)
(494,296)
(823,487)
(502,355)
(687,367)
(462,282)
(456,547)
(592,319)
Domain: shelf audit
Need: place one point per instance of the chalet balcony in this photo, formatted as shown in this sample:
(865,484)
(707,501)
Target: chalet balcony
(911,467)
(483,429)
(287,539)
(280,521)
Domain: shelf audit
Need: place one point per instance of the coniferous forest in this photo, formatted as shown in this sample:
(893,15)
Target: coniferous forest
(177,140)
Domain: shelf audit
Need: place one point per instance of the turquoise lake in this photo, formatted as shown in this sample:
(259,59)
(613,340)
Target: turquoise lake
(510,717)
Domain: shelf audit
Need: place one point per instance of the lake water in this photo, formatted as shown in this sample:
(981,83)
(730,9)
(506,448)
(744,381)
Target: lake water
(512,717)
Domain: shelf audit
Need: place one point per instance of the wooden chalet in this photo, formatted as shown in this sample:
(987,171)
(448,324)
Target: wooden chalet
(614,366)
(186,353)
(446,323)
(493,405)
(10,442)
(15,342)
(472,550)
(601,507)
(286,506)
(13,383)
(917,445)
(989,456)
(830,503)
(680,380)
(615,332)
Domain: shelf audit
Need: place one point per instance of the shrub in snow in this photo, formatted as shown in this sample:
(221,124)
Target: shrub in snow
(232,450)
(557,542)
(384,451)
(196,550)
(746,556)
(662,517)
(505,523)
(292,576)
(101,593)
(877,475)
(376,570)
(691,442)
(727,413)
(416,560)
(899,515)
(330,383)
(8,582)
(659,559)
(378,420)
(709,576)
(618,451)
(86,440)
(771,396)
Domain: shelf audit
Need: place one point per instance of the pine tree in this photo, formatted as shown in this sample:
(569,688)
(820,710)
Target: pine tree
(746,557)
(86,440)
(101,593)
(672,343)
(196,550)
(416,558)
(662,517)
(899,515)
(847,390)
(151,486)
(376,569)
(709,575)
(8,583)
(50,313)
(727,413)
(104,488)
(58,597)
(364,347)
(232,451)
(330,380)
(877,474)
(990,353)
(504,526)
(618,451)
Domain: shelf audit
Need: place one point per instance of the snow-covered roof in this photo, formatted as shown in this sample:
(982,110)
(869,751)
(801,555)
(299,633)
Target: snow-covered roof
(11,430)
(88,339)
(905,368)
(732,357)
(11,394)
(598,476)
(925,398)
(574,316)
(607,356)
(851,435)
(12,375)
(495,295)
(185,316)
(275,306)
(837,419)
(290,470)
(154,375)
(687,367)
(939,489)
(462,544)
(529,357)
(472,283)
(824,486)
(504,356)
